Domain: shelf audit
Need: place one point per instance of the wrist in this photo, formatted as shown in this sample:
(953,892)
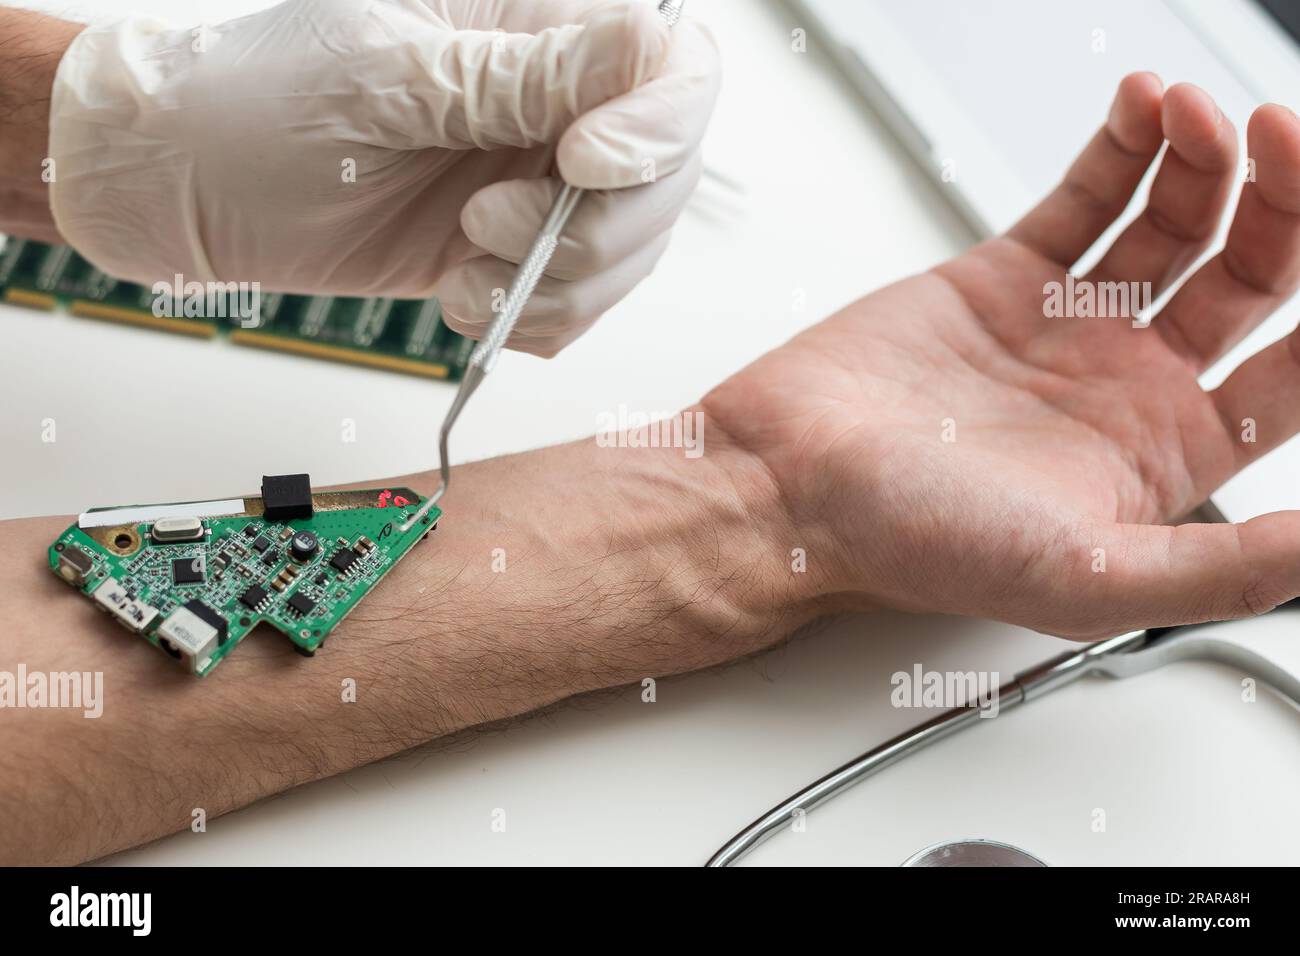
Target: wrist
(31,46)
(603,562)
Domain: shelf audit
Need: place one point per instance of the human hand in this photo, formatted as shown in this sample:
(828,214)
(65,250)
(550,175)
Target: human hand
(944,446)
(394,147)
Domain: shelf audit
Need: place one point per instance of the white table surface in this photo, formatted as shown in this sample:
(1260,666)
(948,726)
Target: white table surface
(1185,771)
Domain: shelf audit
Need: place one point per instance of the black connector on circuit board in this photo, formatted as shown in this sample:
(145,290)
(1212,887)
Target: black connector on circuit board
(286,497)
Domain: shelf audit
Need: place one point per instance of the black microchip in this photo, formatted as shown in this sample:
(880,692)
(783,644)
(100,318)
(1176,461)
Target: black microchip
(270,558)
(203,612)
(261,544)
(187,571)
(322,578)
(286,497)
(250,530)
(301,603)
(254,596)
(343,559)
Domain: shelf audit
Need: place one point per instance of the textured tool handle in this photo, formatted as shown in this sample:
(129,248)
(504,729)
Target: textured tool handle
(525,281)
(671,11)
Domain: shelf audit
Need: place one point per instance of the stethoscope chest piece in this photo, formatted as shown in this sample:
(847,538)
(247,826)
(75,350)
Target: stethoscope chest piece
(972,853)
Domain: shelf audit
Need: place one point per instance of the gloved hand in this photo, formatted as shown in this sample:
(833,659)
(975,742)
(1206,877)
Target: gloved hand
(386,147)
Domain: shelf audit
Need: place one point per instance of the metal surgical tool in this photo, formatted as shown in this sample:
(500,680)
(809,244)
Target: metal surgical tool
(527,275)
(1125,656)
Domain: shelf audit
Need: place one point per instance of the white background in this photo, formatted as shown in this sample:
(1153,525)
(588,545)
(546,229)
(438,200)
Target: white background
(825,206)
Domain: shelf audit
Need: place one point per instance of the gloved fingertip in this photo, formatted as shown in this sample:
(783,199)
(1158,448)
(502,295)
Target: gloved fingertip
(517,201)
(474,217)
(637,23)
(616,152)
(588,160)
(623,45)
(458,325)
(648,132)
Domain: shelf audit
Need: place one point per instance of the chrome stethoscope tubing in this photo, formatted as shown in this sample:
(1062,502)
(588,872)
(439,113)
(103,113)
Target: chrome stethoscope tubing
(1125,656)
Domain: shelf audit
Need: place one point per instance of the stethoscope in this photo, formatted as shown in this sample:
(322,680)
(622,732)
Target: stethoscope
(1125,656)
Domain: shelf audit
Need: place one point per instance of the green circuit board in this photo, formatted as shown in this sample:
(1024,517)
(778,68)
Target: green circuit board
(400,335)
(195,582)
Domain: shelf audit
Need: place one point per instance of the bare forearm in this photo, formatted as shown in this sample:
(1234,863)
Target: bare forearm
(31,45)
(619,564)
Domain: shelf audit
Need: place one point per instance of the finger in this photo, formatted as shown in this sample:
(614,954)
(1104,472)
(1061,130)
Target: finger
(1259,402)
(652,130)
(472,292)
(1159,576)
(484,88)
(1187,198)
(1259,267)
(1102,180)
(608,226)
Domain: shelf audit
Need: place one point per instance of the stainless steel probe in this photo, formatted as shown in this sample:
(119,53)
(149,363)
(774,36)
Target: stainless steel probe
(484,356)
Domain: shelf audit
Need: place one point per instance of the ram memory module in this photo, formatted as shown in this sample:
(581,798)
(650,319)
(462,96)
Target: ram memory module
(400,335)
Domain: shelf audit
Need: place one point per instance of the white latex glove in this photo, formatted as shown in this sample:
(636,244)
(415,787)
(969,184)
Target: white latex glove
(222,153)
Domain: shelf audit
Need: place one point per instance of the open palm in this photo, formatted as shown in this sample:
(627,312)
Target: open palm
(951,445)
